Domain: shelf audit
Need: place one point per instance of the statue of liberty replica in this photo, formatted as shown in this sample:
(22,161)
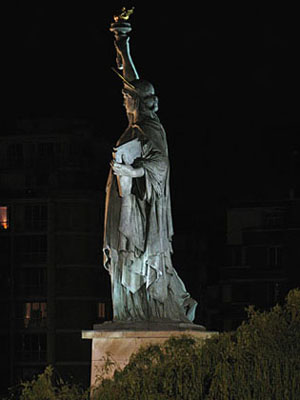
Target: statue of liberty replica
(138,222)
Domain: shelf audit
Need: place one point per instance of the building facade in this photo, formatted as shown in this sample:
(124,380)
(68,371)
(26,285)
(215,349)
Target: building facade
(262,261)
(52,283)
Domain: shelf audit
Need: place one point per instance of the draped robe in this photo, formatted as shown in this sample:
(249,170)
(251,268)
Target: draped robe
(138,236)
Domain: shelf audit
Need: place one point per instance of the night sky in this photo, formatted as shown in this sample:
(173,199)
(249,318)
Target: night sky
(227,80)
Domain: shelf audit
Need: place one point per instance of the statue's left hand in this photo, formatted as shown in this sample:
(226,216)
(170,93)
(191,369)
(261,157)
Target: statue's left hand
(126,170)
(122,169)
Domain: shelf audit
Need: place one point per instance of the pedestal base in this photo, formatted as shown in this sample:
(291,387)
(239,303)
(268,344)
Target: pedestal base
(119,341)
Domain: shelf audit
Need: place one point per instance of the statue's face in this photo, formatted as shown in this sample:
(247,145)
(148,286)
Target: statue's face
(129,102)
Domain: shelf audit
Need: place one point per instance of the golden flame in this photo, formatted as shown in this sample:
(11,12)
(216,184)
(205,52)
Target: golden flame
(124,15)
(4,218)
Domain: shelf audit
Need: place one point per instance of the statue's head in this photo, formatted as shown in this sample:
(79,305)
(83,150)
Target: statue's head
(140,95)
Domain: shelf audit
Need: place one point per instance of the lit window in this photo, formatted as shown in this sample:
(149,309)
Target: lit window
(31,315)
(101,310)
(4,224)
(35,315)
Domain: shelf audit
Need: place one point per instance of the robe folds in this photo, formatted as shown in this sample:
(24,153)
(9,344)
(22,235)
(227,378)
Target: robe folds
(138,234)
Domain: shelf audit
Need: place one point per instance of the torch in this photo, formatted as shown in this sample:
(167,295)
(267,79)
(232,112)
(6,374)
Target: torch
(121,27)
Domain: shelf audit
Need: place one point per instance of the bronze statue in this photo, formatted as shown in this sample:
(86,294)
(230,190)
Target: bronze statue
(138,223)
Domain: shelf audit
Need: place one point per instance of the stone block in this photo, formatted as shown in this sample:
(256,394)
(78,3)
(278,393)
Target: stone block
(119,344)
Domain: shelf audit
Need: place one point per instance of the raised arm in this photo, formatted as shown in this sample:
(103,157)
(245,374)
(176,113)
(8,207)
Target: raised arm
(123,54)
(121,27)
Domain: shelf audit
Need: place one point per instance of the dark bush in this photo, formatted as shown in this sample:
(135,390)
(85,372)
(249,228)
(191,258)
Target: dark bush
(261,360)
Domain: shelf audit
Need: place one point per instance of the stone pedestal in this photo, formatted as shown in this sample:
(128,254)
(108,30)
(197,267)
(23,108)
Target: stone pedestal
(119,341)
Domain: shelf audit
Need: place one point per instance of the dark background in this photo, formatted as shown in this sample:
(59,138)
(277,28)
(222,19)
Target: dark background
(227,80)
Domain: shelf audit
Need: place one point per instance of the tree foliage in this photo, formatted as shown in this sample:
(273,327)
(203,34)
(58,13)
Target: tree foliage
(48,386)
(260,360)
